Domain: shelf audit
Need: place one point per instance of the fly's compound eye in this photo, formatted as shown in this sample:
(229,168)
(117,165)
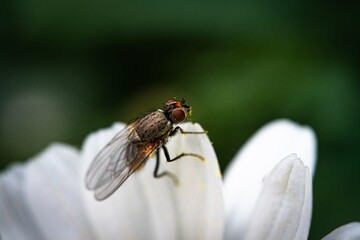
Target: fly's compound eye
(178,115)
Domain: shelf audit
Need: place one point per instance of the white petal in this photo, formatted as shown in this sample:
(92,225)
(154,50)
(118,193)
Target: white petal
(46,198)
(350,231)
(148,208)
(245,176)
(283,210)
(53,194)
(16,220)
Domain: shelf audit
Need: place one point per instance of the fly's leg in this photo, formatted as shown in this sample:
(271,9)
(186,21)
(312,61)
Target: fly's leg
(175,130)
(168,159)
(181,155)
(165,173)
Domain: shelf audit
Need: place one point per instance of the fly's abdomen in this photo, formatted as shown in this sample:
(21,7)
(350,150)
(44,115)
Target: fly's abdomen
(153,126)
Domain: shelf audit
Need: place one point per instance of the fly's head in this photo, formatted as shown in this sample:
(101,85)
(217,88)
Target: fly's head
(177,111)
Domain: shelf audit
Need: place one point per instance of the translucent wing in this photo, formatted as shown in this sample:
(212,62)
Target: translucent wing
(116,162)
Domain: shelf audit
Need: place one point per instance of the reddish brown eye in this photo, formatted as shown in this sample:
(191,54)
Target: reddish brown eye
(178,115)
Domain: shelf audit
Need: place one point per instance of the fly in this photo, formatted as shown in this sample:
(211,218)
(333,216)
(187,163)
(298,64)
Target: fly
(129,148)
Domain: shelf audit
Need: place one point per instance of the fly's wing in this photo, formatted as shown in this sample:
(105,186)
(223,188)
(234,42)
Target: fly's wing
(116,162)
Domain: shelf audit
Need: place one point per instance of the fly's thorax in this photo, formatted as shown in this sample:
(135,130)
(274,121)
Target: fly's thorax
(153,126)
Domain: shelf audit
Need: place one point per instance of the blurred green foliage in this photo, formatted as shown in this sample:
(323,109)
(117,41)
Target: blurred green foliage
(68,68)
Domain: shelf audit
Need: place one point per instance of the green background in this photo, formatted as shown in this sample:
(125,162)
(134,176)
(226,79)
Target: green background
(68,68)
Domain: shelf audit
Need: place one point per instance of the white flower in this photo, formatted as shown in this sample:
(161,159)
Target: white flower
(246,176)
(264,198)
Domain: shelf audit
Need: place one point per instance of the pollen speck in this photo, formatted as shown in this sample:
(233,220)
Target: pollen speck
(152,155)
(218,173)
